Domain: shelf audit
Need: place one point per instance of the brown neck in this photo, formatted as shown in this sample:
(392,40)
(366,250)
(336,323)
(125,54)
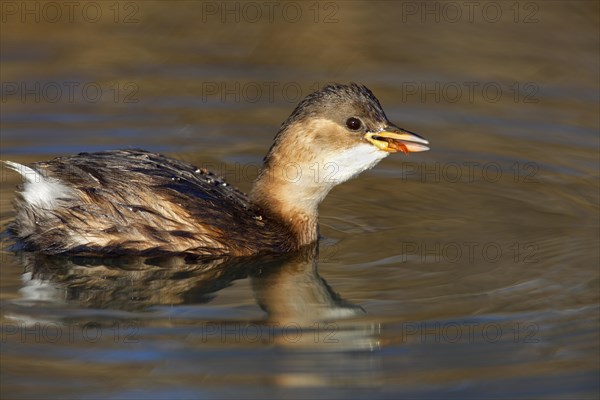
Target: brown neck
(305,162)
(288,202)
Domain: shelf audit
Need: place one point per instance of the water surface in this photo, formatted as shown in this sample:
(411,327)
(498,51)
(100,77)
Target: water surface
(469,271)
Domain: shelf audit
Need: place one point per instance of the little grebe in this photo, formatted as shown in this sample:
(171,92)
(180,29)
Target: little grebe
(136,202)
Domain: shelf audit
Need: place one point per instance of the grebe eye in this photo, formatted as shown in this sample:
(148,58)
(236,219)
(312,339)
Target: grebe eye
(353,124)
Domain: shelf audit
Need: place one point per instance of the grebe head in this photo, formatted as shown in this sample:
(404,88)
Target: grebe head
(333,135)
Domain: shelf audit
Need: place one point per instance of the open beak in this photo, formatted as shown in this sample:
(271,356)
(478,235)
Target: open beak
(393,139)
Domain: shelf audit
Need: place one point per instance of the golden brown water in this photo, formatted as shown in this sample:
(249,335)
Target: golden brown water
(469,271)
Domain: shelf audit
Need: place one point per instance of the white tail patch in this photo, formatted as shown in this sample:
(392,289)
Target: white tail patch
(39,190)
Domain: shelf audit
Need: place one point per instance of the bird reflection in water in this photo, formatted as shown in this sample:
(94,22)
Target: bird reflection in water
(287,287)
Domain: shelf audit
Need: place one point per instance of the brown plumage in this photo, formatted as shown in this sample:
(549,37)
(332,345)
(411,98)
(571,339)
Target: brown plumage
(132,201)
(136,202)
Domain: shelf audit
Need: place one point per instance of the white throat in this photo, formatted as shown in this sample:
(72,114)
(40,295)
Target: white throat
(306,185)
